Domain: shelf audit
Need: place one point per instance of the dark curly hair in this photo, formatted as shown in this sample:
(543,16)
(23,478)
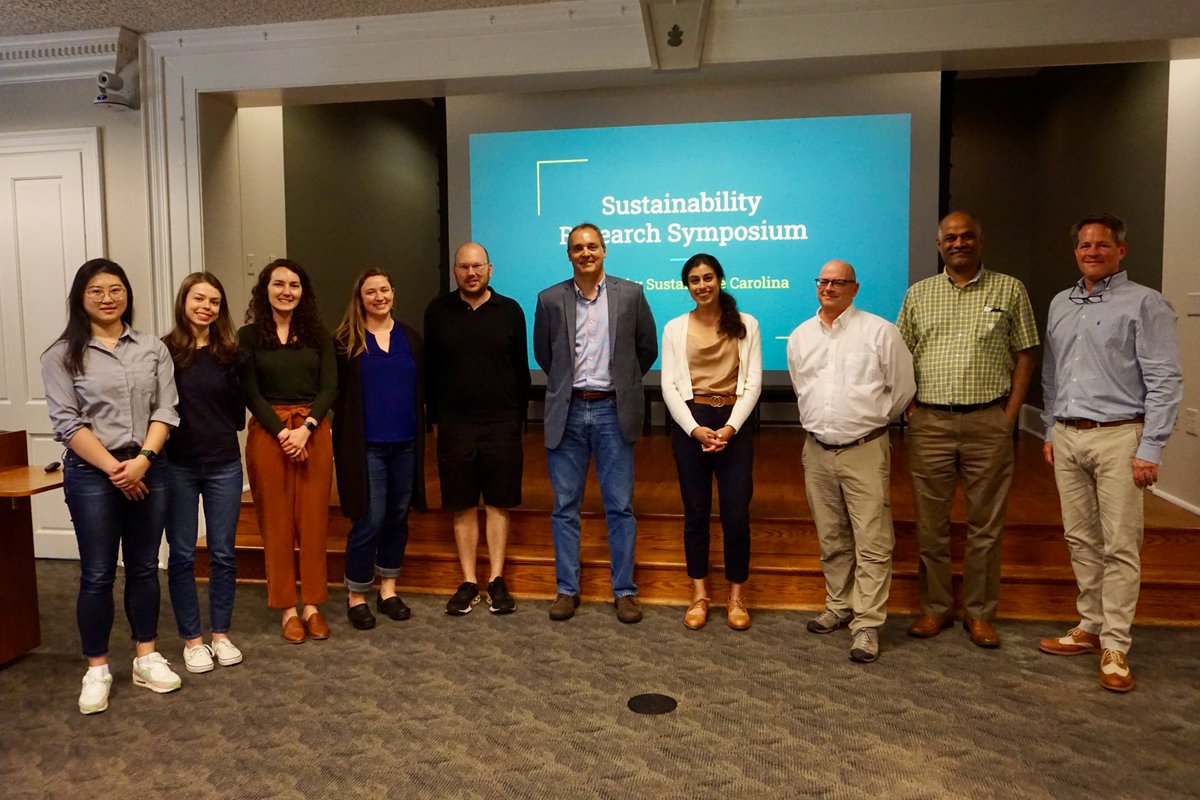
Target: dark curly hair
(305,329)
(731,321)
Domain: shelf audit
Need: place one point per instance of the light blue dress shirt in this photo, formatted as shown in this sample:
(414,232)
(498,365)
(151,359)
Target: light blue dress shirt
(1113,354)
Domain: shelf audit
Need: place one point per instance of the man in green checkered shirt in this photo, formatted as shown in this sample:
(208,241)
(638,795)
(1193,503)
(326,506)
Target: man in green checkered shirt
(972,335)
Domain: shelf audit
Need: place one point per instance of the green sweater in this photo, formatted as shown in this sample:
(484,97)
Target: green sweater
(286,376)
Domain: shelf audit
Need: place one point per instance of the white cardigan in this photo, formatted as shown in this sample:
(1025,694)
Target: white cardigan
(677,375)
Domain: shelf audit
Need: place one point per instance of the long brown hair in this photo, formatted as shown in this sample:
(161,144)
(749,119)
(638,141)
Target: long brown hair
(222,339)
(351,333)
(304,328)
(730,323)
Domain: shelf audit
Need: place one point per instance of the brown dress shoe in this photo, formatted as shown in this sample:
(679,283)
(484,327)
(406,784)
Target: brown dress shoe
(1076,642)
(697,615)
(628,609)
(927,626)
(316,625)
(1115,674)
(739,618)
(981,632)
(293,631)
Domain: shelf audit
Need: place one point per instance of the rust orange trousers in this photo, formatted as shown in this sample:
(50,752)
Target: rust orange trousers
(291,499)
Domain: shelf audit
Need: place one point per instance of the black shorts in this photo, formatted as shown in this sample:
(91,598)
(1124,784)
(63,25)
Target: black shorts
(477,458)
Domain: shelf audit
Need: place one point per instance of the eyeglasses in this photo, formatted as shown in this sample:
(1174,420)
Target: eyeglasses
(837,283)
(96,294)
(1086,299)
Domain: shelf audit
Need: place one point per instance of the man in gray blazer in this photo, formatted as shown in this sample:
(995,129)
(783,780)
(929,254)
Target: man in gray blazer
(594,337)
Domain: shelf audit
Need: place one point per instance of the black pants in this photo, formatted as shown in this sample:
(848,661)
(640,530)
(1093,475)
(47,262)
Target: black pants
(734,468)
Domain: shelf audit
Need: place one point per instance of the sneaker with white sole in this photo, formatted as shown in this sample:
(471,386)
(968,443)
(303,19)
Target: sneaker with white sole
(154,672)
(828,621)
(226,652)
(94,697)
(198,659)
(865,648)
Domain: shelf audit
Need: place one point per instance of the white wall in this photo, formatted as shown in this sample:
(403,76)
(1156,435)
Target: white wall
(1181,272)
(68,104)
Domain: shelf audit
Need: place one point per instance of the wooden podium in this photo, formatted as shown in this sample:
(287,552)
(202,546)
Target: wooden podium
(20,630)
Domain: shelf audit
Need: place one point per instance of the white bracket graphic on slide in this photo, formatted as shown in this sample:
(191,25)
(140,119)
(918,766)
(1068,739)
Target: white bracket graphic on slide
(539,175)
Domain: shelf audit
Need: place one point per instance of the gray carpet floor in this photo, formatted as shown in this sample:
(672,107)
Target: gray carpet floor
(519,707)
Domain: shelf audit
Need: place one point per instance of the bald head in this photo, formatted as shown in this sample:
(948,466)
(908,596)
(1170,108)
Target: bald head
(472,271)
(836,288)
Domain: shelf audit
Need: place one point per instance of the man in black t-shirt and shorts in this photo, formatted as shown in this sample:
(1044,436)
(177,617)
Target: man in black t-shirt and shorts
(476,394)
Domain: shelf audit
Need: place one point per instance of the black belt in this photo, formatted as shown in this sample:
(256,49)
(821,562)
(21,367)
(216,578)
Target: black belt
(966,409)
(1088,424)
(870,437)
(588,394)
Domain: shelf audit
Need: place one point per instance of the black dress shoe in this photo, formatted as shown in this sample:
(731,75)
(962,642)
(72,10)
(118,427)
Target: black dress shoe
(360,617)
(393,607)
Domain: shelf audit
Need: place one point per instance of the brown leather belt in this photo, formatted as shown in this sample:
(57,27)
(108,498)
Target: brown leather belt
(1087,424)
(587,394)
(967,409)
(870,437)
(716,401)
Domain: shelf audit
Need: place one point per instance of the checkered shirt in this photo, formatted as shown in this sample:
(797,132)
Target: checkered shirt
(962,339)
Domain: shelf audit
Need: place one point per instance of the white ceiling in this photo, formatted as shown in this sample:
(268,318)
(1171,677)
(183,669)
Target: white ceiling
(22,17)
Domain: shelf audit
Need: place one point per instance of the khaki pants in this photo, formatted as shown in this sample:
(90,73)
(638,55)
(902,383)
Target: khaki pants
(942,446)
(849,494)
(291,500)
(1102,518)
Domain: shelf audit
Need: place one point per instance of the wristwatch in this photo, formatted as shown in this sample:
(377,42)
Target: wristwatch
(312,426)
(150,455)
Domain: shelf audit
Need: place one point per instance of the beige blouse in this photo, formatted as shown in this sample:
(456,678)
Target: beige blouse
(712,361)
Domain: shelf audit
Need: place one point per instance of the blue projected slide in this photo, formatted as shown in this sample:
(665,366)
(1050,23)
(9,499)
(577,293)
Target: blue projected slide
(773,200)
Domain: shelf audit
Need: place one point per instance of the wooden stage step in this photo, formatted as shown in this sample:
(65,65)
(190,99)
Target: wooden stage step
(1037,582)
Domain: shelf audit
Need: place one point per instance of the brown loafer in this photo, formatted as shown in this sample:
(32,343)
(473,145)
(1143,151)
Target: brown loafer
(697,615)
(736,614)
(293,631)
(317,627)
(927,626)
(981,632)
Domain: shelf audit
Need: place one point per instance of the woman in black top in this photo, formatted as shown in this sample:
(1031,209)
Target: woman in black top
(205,462)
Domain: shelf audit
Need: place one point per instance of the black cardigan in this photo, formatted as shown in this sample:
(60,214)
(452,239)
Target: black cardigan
(350,437)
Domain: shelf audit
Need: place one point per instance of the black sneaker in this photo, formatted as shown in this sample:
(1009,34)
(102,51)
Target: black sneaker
(463,600)
(499,600)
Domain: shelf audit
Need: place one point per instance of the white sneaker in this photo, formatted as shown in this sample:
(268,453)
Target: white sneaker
(227,654)
(198,659)
(154,672)
(94,697)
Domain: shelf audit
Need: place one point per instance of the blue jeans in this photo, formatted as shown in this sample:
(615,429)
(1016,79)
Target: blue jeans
(220,485)
(377,539)
(105,520)
(593,429)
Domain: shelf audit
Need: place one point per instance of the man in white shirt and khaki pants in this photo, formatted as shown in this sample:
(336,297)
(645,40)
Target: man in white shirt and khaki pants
(853,375)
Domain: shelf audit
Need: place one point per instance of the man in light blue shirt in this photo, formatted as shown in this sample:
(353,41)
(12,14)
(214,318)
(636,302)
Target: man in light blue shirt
(1112,384)
(595,338)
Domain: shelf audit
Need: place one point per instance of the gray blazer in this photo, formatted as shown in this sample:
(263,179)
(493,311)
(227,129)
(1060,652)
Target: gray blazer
(634,348)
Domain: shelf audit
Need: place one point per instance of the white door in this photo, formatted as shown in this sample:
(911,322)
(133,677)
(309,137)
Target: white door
(51,221)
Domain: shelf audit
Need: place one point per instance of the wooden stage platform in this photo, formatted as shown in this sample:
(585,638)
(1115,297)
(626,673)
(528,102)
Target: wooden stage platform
(1037,582)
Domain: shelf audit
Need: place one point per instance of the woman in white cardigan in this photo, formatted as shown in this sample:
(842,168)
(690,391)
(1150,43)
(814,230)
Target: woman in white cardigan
(711,379)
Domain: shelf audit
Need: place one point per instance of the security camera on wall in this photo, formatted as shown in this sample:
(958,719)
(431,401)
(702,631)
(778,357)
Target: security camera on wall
(114,92)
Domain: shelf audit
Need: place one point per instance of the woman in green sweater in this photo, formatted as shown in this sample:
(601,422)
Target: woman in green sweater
(289,376)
